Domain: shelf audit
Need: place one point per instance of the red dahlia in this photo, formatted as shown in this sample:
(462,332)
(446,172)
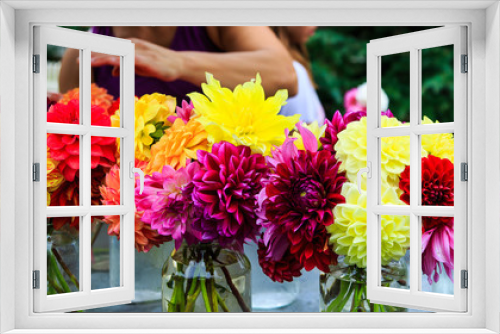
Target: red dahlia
(66,148)
(437,182)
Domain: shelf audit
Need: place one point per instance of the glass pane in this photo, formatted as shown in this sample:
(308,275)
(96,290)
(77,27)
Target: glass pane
(62,90)
(105,99)
(394,242)
(437,84)
(105,260)
(438,169)
(63,255)
(394,168)
(63,166)
(105,174)
(395,78)
(437,254)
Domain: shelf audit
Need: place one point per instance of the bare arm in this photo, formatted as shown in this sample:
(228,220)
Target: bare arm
(69,75)
(249,50)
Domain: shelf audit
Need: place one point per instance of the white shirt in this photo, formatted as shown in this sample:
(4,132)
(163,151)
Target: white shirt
(306,102)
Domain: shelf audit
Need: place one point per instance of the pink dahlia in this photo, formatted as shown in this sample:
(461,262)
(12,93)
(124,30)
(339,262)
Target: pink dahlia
(437,247)
(225,189)
(299,198)
(437,182)
(351,103)
(166,206)
(66,148)
(185,112)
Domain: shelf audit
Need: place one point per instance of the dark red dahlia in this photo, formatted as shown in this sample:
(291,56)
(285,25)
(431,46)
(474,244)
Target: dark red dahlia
(437,182)
(300,197)
(66,148)
(225,190)
(317,253)
(284,269)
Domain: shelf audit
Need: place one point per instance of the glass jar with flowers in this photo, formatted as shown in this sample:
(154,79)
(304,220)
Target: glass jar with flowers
(203,178)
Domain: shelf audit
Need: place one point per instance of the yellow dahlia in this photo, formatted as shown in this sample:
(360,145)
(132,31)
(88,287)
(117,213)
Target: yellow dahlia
(316,130)
(351,151)
(440,145)
(149,111)
(243,116)
(179,143)
(348,232)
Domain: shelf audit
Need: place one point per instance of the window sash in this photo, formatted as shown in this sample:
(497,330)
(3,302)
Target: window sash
(413,43)
(86,297)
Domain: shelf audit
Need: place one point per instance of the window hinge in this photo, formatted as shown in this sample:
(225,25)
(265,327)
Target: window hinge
(36,279)
(36,63)
(36,172)
(465,279)
(465,64)
(464,175)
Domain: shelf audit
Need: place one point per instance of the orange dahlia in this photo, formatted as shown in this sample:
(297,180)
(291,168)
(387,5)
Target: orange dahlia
(145,237)
(99,97)
(179,143)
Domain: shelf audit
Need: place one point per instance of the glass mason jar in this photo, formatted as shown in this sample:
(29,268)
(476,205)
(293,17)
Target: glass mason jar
(206,278)
(62,260)
(266,294)
(343,289)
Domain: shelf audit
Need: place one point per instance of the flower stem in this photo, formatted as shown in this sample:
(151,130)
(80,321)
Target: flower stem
(222,302)
(65,268)
(204,293)
(234,290)
(57,272)
(191,299)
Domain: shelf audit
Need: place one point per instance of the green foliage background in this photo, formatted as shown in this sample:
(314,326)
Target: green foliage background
(338,56)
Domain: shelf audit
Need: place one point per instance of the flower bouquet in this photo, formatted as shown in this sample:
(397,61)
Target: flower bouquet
(314,216)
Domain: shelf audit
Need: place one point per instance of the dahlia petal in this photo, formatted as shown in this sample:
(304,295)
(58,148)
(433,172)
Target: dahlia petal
(69,174)
(54,142)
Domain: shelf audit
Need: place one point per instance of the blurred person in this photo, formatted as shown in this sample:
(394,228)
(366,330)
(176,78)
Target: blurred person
(306,102)
(173,60)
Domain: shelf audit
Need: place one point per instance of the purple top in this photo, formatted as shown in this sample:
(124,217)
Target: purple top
(185,39)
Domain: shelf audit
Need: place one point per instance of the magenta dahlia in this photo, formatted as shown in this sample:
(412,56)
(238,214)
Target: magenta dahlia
(338,124)
(225,190)
(166,206)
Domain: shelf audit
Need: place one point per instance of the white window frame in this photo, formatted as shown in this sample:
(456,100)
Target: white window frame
(483,21)
(413,44)
(86,43)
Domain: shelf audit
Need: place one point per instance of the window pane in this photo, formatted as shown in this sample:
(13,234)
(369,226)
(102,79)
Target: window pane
(105,101)
(437,254)
(438,169)
(63,255)
(105,174)
(394,168)
(394,242)
(396,84)
(63,92)
(63,170)
(437,84)
(105,245)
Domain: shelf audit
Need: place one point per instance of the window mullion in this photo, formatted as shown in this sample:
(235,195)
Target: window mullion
(415,164)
